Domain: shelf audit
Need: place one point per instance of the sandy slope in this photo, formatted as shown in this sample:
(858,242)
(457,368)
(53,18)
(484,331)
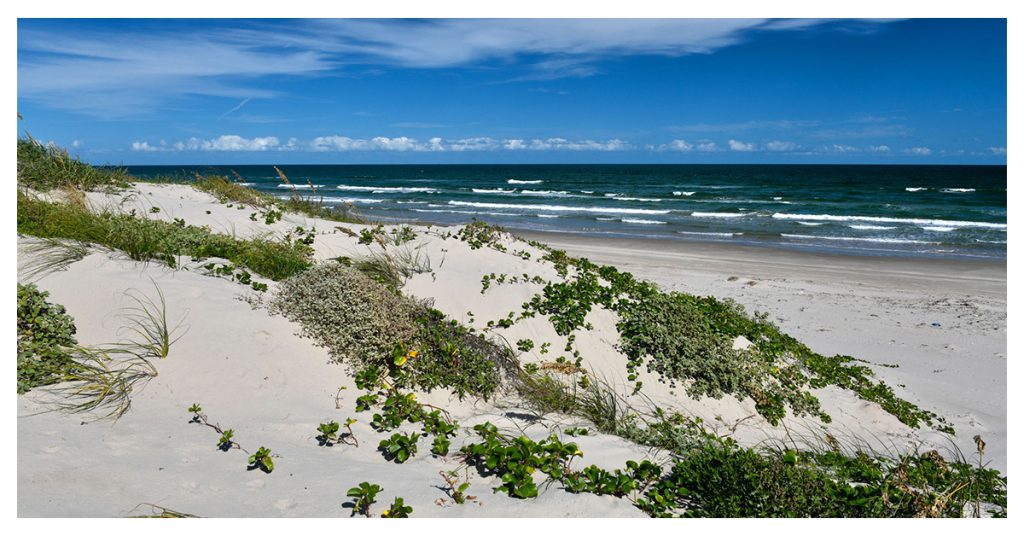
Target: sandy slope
(251,373)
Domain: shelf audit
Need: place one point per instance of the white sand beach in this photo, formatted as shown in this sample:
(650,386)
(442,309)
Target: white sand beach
(933,330)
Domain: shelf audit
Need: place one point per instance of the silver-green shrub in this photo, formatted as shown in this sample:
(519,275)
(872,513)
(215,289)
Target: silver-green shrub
(356,319)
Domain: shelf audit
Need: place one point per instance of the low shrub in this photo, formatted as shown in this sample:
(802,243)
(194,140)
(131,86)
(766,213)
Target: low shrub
(45,336)
(356,319)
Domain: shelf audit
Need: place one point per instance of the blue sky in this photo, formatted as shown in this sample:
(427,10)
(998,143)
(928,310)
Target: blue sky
(516,90)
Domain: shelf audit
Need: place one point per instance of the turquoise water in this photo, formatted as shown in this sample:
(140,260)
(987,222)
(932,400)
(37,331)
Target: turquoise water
(886,210)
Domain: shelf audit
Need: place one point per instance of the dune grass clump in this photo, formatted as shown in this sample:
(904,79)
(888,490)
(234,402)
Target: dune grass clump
(45,167)
(144,239)
(228,191)
(46,335)
(48,255)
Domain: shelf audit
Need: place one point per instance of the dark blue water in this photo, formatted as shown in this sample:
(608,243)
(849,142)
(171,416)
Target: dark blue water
(902,210)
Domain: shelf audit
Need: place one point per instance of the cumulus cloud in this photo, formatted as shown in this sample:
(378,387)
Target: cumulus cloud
(682,146)
(707,146)
(780,146)
(918,151)
(384,143)
(840,148)
(740,146)
(879,149)
(997,150)
(143,146)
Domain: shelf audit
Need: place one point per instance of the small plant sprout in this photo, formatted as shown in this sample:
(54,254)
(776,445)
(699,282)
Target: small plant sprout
(226,442)
(398,509)
(261,460)
(399,447)
(328,433)
(455,489)
(363,495)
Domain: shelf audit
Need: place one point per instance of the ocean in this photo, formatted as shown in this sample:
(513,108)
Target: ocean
(946,211)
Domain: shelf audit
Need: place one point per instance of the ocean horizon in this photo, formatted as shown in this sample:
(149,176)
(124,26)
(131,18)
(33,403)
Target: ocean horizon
(903,210)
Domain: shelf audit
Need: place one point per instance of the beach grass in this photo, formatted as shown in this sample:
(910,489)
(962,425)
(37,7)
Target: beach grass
(154,240)
(45,167)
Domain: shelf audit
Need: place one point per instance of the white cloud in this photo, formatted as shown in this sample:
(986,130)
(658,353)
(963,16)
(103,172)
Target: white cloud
(740,146)
(997,150)
(474,144)
(435,144)
(514,144)
(707,146)
(839,148)
(780,146)
(75,144)
(918,151)
(879,149)
(682,146)
(563,144)
(222,143)
(231,142)
(143,146)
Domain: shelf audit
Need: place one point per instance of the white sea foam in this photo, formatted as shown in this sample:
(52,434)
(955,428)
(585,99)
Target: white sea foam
(411,202)
(649,199)
(956,190)
(466,212)
(385,189)
(858,239)
(245,183)
(915,189)
(938,229)
(810,223)
(884,219)
(606,219)
(696,233)
(354,200)
(586,191)
(546,193)
(558,208)
(643,222)
(493,191)
(548,216)
(516,181)
(870,227)
(299,186)
(687,194)
(717,215)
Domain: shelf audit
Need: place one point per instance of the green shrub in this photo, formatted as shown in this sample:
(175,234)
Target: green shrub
(45,333)
(450,355)
(357,320)
(677,342)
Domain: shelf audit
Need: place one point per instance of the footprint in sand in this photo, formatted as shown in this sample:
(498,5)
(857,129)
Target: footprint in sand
(284,504)
(256,483)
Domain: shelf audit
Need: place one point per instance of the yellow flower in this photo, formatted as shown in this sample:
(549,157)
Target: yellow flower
(413,354)
(385,513)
